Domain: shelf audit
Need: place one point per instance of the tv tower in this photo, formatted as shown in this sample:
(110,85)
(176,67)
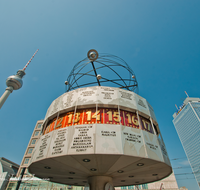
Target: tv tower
(14,82)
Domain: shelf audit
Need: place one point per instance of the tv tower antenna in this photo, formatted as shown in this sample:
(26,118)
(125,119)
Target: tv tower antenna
(14,82)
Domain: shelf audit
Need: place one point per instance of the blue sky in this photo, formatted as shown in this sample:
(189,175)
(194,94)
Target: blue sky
(159,39)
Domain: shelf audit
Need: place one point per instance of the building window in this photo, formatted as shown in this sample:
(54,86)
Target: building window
(39,125)
(144,186)
(30,150)
(33,141)
(20,172)
(11,185)
(26,160)
(36,133)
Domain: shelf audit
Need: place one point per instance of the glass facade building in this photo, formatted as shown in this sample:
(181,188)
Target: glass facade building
(187,124)
(37,184)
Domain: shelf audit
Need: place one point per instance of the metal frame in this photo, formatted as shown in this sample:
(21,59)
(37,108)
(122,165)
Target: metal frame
(104,62)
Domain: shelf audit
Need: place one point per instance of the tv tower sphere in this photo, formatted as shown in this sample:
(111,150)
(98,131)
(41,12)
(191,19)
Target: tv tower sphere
(15,81)
(100,134)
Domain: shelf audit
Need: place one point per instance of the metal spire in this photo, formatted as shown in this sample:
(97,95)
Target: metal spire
(30,60)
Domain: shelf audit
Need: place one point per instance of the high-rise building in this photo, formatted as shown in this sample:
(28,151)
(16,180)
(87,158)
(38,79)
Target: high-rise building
(31,145)
(187,123)
(7,169)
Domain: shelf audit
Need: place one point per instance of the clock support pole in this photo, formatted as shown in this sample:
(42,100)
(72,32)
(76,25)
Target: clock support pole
(100,183)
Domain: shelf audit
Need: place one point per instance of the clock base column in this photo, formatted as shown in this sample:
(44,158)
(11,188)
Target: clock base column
(100,183)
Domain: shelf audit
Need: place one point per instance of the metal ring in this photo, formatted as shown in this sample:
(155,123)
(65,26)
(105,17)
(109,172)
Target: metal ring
(92,54)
